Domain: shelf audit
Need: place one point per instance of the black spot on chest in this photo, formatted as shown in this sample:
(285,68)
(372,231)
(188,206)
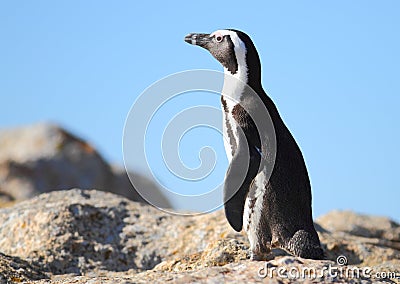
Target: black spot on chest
(240,115)
(228,126)
(224,105)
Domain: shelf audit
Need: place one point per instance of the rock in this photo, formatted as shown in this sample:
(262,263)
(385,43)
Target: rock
(92,236)
(79,231)
(361,225)
(14,269)
(123,186)
(217,253)
(45,157)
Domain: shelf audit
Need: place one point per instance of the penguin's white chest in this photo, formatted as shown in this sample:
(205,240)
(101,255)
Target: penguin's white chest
(232,93)
(254,208)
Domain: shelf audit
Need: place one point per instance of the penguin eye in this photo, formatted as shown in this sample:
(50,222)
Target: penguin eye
(219,38)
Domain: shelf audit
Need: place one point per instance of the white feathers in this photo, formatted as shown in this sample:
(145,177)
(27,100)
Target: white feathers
(194,41)
(233,84)
(252,215)
(229,122)
(233,87)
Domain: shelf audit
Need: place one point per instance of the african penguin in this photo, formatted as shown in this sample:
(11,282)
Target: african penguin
(273,200)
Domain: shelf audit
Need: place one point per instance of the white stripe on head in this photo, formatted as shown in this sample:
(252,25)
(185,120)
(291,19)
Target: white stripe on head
(194,37)
(234,85)
(240,53)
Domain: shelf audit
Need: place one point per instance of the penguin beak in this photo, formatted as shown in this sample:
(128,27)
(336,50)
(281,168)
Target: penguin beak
(198,39)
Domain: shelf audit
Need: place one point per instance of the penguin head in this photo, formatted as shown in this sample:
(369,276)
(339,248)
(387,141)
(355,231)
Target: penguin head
(224,45)
(232,48)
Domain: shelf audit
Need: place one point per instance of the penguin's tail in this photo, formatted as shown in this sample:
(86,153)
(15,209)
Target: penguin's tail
(305,245)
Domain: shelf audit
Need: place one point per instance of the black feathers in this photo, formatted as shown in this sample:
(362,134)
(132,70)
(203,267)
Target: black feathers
(267,167)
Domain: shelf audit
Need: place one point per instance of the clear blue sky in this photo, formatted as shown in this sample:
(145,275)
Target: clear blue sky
(332,68)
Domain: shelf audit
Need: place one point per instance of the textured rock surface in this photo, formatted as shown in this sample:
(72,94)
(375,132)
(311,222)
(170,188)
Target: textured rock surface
(361,225)
(91,236)
(14,269)
(44,157)
(77,231)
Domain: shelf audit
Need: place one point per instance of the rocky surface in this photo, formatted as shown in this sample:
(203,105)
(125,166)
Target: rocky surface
(44,157)
(14,269)
(89,236)
(361,225)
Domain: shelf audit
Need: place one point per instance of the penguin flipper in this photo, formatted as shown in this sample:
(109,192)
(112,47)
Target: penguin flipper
(234,202)
(237,184)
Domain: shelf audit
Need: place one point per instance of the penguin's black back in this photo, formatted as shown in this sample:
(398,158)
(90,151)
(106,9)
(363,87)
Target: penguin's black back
(288,191)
